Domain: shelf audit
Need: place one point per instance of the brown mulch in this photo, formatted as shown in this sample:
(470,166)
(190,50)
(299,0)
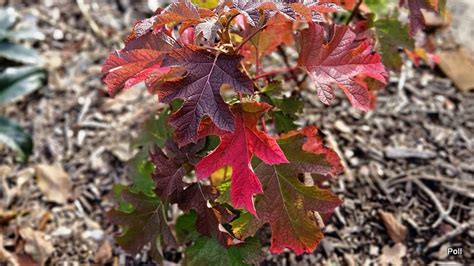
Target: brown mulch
(408,189)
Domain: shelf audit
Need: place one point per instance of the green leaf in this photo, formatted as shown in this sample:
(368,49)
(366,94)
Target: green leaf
(143,224)
(272,88)
(18,53)
(8,16)
(185,227)
(290,105)
(123,205)
(206,3)
(140,173)
(15,137)
(284,122)
(380,7)
(20,81)
(31,33)
(155,131)
(207,251)
(392,34)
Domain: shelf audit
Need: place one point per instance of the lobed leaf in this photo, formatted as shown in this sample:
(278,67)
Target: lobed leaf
(208,251)
(143,225)
(209,218)
(237,149)
(200,89)
(417,20)
(338,62)
(140,60)
(292,207)
(392,35)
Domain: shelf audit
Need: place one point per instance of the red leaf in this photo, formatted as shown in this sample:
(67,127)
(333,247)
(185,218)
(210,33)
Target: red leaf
(138,61)
(200,89)
(209,219)
(339,62)
(236,150)
(417,20)
(293,208)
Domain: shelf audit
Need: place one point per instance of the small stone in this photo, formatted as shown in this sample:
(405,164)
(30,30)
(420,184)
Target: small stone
(62,231)
(374,250)
(96,235)
(342,127)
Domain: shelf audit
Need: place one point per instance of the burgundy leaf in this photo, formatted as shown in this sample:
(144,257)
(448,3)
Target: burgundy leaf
(210,218)
(417,20)
(339,62)
(200,90)
(168,176)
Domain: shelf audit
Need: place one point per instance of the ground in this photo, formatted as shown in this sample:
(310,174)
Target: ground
(409,164)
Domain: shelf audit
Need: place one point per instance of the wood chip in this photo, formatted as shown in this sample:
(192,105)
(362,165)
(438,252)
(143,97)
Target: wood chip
(407,153)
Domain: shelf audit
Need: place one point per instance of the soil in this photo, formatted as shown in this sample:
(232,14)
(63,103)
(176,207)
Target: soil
(407,189)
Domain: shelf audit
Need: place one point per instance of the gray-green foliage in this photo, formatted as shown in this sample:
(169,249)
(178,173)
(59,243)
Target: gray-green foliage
(20,74)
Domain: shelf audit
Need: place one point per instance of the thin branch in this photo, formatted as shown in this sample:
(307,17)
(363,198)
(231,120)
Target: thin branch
(443,213)
(276,72)
(248,38)
(354,12)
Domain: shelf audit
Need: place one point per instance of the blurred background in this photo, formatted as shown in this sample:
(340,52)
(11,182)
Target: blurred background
(408,187)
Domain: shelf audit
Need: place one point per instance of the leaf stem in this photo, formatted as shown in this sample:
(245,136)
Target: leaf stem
(276,72)
(248,38)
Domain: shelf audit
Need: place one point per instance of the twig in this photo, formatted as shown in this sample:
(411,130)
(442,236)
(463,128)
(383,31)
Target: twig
(354,12)
(283,54)
(347,171)
(400,88)
(248,38)
(275,72)
(445,181)
(95,28)
(436,242)
(443,214)
(6,256)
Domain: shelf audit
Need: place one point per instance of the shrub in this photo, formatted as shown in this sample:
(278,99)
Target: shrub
(228,155)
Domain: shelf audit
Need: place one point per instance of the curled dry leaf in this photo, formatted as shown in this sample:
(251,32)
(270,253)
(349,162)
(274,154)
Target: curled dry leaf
(395,229)
(104,254)
(36,244)
(54,182)
(393,255)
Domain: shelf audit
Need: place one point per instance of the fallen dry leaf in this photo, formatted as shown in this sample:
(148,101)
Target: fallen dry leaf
(54,182)
(6,256)
(104,254)
(395,229)
(393,255)
(36,245)
(458,65)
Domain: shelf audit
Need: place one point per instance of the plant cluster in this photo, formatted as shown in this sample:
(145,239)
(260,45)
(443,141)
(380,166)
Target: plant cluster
(227,155)
(20,75)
